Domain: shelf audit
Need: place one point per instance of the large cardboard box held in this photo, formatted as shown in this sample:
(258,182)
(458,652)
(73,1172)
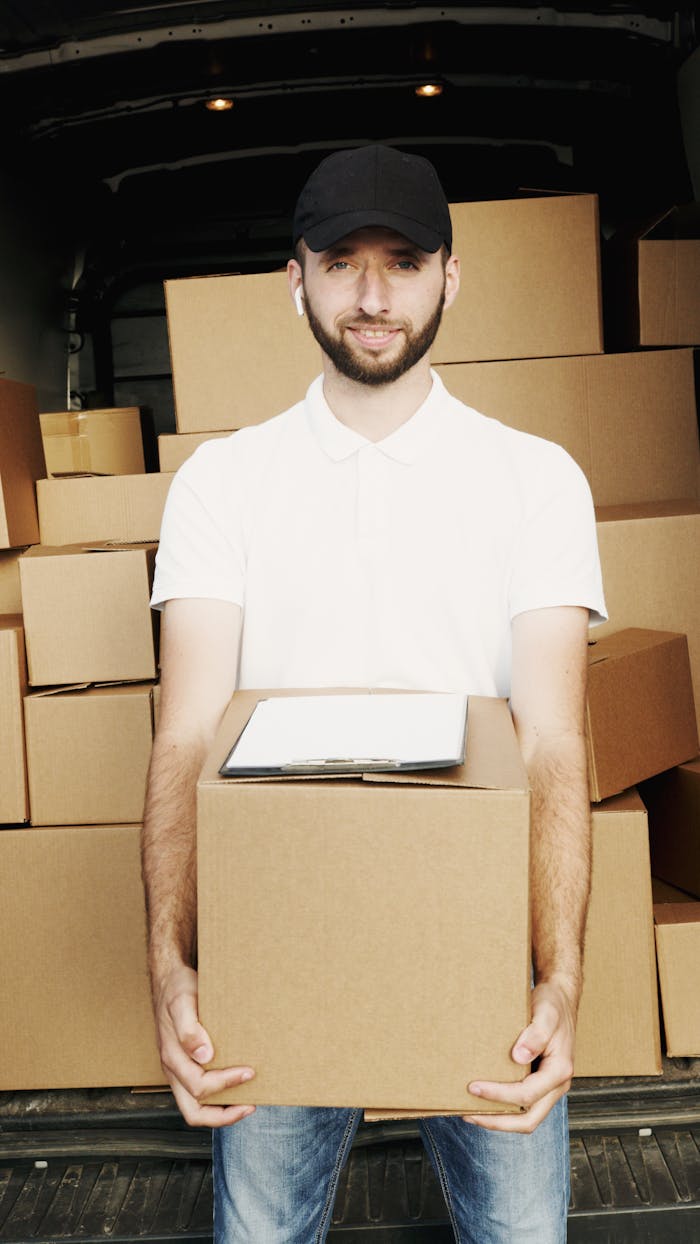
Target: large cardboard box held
(678,953)
(86,613)
(367,959)
(123,508)
(88,751)
(673,804)
(640,710)
(223,373)
(21,463)
(651,572)
(530,280)
(76,1010)
(14,804)
(618,1025)
(629,420)
(174,448)
(93,442)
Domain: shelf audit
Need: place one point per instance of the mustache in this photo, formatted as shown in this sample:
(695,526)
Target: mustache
(370,321)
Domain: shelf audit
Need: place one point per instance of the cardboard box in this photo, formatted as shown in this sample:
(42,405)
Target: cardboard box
(640,710)
(93,442)
(21,463)
(221,363)
(88,751)
(678,953)
(673,803)
(629,420)
(14,803)
(87,616)
(530,280)
(76,1010)
(618,1025)
(176,448)
(651,572)
(348,893)
(123,508)
(10,594)
(668,279)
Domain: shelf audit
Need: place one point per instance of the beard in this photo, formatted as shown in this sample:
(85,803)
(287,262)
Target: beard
(370,370)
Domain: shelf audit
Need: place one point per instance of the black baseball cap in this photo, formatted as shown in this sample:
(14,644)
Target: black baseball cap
(373,185)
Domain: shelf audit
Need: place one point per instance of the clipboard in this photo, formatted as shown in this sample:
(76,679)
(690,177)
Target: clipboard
(350,734)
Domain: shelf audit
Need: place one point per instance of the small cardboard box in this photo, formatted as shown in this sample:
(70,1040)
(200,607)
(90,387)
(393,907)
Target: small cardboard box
(668,280)
(530,280)
(93,442)
(651,572)
(123,508)
(76,1010)
(629,420)
(86,613)
(673,803)
(14,804)
(174,448)
(640,710)
(88,751)
(222,376)
(618,1025)
(678,954)
(21,463)
(348,894)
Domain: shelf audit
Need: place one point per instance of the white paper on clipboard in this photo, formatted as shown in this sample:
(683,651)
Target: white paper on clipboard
(350,733)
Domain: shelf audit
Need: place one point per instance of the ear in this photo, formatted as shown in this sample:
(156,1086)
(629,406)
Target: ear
(296,286)
(452,271)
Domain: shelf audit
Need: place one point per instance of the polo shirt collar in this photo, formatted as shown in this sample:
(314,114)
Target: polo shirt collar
(406,444)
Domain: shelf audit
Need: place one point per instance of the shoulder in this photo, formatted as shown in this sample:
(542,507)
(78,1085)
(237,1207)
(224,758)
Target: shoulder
(243,451)
(523,452)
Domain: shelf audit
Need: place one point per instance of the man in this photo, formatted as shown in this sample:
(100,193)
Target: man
(378,533)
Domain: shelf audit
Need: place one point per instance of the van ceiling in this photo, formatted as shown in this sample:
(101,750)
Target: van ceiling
(106,104)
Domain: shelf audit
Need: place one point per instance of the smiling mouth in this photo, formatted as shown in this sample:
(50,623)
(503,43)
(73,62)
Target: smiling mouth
(373,337)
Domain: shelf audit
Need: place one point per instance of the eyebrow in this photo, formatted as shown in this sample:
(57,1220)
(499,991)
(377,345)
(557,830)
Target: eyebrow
(397,252)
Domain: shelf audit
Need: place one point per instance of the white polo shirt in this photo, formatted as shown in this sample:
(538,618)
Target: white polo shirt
(399,563)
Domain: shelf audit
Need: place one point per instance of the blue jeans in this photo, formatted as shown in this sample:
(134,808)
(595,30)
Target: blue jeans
(276,1175)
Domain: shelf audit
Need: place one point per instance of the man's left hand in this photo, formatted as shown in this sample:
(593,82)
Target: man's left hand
(549,1038)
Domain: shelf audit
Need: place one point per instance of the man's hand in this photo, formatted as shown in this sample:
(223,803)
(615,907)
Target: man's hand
(549,1037)
(185,1048)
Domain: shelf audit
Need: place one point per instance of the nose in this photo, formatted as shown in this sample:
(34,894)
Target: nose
(373,293)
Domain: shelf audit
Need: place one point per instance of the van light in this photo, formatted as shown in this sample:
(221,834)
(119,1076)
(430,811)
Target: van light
(429,89)
(219,105)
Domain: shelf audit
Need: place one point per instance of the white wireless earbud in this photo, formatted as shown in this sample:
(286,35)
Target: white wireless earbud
(299,300)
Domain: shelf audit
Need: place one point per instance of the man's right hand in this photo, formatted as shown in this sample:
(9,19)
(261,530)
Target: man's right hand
(186,1048)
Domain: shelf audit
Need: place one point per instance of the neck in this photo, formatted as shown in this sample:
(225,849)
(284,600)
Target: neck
(376,412)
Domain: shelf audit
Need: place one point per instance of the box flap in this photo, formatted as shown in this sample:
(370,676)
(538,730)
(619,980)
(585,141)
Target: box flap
(676,913)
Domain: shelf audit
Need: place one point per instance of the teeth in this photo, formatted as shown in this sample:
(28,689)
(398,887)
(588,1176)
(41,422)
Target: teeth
(376,333)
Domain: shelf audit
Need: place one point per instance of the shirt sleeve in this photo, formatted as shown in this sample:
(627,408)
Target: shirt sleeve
(556,560)
(201,550)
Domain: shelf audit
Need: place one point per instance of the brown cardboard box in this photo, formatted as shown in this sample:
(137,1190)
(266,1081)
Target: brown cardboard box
(14,804)
(348,893)
(123,508)
(640,711)
(21,463)
(222,372)
(176,448)
(93,442)
(618,1025)
(88,751)
(530,280)
(86,613)
(10,594)
(651,572)
(76,1010)
(673,804)
(678,954)
(668,280)
(629,420)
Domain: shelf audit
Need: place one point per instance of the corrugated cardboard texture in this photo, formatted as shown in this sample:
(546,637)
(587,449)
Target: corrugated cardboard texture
(88,753)
(629,420)
(93,442)
(21,463)
(365,959)
(87,615)
(530,280)
(124,508)
(221,360)
(651,575)
(640,712)
(678,952)
(669,280)
(14,804)
(673,803)
(618,1025)
(76,1010)
(10,594)
(176,448)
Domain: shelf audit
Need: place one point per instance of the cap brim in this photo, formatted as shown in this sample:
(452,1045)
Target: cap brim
(326,234)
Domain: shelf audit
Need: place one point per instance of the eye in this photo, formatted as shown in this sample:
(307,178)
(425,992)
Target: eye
(340,265)
(405,265)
